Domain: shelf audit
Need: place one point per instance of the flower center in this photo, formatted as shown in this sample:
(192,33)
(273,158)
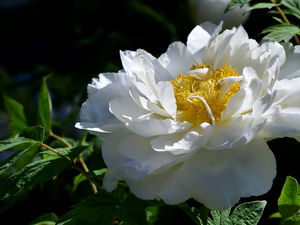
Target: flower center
(198,93)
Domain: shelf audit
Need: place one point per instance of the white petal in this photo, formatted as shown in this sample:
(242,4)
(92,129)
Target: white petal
(219,178)
(232,135)
(126,58)
(199,37)
(166,97)
(288,93)
(95,112)
(261,105)
(166,185)
(243,100)
(177,58)
(180,143)
(291,67)
(147,105)
(226,84)
(125,109)
(282,122)
(154,127)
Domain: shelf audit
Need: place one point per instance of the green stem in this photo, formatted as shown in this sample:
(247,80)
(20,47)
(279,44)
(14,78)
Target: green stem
(86,169)
(60,139)
(286,20)
(74,166)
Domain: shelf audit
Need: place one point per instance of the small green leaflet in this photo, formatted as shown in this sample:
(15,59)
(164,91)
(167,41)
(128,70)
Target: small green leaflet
(45,106)
(235,3)
(100,208)
(280,32)
(247,213)
(293,7)
(260,6)
(18,120)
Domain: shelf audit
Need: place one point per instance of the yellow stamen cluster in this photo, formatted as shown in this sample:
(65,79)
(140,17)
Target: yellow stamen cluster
(189,88)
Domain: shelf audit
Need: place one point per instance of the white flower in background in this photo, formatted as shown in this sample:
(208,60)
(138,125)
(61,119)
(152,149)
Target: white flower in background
(177,128)
(213,11)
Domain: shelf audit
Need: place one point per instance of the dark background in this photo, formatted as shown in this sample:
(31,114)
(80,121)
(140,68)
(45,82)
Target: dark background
(75,40)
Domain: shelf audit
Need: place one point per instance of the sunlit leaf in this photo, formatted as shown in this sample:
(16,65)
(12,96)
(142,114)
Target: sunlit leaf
(293,7)
(236,3)
(289,200)
(275,215)
(260,6)
(45,219)
(18,120)
(45,106)
(100,208)
(9,143)
(280,32)
(248,213)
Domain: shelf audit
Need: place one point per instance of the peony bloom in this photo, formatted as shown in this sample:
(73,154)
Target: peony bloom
(193,123)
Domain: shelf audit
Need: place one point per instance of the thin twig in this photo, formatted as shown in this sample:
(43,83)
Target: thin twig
(74,166)
(60,139)
(286,20)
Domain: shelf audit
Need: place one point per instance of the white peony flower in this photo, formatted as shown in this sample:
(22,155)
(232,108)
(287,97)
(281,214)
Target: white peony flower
(177,128)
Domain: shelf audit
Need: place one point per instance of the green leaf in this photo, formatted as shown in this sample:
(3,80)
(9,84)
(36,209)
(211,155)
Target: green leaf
(28,157)
(221,217)
(80,177)
(100,208)
(11,160)
(275,215)
(248,213)
(280,32)
(293,7)
(260,6)
(18,120)
(43,170)
(133,210)
(235,3)
(34,133)
(45,219)
(289,200)
(72,153)
(192,212)
(9,143)
(45,106)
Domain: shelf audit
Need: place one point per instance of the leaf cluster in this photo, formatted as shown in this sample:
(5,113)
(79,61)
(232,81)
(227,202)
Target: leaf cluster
(285,30)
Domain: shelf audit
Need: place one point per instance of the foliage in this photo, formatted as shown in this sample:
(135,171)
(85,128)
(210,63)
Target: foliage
(284,31)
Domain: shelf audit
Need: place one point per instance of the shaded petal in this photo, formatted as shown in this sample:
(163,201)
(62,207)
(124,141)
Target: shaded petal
(243,100)
(154,127)
(219,178)
(281,122)
(260,106)
(147,105)
(291,67)
(232,134)
(95,114)
(288,93)
(126,58)
(177,58)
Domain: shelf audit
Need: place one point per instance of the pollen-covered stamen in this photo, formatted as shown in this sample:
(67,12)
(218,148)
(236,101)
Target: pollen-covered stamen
(200,97)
